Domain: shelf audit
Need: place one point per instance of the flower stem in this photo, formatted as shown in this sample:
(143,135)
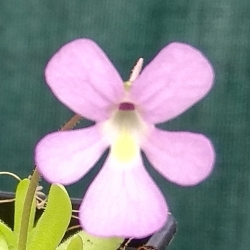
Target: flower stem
(22,239)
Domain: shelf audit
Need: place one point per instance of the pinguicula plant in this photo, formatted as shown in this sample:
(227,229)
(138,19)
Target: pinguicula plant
(123,201)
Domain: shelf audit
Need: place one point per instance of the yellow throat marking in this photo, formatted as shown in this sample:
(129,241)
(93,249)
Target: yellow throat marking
(125,147)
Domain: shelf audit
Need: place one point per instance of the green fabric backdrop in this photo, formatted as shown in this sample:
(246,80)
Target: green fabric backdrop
(213,215)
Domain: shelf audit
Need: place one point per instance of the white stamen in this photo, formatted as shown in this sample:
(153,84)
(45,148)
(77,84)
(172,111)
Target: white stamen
(136,70)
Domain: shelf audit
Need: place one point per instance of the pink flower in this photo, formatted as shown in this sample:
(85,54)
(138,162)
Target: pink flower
(123,200)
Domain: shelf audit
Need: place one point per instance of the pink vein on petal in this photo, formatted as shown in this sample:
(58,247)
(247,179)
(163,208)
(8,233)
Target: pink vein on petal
(123,202)
(182,157)
(177,78)
(83,78)
(64,157)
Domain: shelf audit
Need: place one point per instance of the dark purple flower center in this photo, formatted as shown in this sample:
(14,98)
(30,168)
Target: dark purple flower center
(126,106)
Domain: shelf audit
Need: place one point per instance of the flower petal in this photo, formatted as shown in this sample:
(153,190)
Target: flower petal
(82,77)
(65,156)
(182,157)
(123,201)
(176,79)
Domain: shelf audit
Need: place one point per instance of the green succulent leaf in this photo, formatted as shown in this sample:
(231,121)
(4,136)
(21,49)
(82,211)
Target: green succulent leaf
(3,242)
(53,223)
(21,192)
(7,236)
(73,243)
(76,243)
(91,242)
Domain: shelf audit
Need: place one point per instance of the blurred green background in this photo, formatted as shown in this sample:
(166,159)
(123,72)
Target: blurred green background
(212,215)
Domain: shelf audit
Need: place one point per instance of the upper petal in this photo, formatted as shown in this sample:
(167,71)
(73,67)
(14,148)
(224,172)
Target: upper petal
(182,157)
(65,156)
(177,78)
(123,201)
(82,77)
